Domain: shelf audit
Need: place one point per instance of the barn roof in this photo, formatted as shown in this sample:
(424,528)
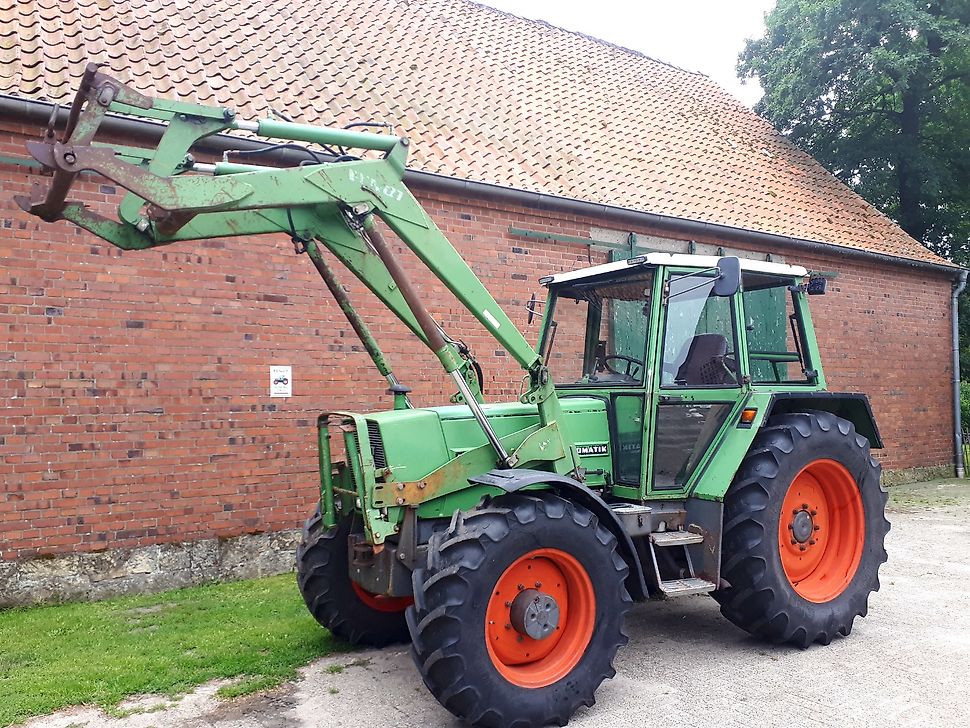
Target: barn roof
(484,95)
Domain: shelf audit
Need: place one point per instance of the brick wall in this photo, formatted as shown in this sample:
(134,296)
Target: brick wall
(135,384)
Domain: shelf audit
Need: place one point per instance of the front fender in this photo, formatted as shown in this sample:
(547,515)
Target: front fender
(572,490)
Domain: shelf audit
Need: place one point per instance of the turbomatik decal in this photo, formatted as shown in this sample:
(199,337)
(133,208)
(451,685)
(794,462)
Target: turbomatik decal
(603,449)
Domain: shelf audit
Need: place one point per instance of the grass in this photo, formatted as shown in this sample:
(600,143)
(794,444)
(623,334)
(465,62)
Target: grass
(100,653)
(949,492)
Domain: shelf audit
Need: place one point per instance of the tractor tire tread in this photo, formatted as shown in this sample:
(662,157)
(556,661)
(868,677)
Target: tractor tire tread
(455,558)
(324,582)
(759,598)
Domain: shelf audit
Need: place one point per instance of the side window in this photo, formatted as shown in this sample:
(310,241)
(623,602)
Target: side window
(775,351)
(684,433)
(699,347)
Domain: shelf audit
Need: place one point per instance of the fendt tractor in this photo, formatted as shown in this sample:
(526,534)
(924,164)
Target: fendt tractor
(673,435)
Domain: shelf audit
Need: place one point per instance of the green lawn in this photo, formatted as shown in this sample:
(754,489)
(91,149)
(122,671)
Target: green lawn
(99,653)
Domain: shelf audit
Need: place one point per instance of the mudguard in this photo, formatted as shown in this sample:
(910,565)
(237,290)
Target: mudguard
(849,406)
(572,490)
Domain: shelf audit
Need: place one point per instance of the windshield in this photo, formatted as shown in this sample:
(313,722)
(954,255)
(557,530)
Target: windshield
(597,333)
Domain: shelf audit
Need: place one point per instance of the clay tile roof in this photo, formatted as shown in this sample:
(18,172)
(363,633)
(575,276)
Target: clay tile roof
(484,96)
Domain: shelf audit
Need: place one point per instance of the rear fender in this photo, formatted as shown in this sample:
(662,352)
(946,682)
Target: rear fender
(572,490)
(852,407)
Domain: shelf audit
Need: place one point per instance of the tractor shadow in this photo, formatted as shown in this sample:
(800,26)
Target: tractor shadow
(687,621)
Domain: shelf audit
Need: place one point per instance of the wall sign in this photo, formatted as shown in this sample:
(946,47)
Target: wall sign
(280,381)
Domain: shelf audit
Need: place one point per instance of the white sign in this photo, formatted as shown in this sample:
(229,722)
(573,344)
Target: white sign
(280,381)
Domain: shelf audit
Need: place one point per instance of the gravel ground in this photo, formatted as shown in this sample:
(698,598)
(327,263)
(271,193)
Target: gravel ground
(907,664)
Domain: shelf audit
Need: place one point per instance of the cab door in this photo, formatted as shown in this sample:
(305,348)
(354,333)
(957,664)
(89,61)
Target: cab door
(699,380)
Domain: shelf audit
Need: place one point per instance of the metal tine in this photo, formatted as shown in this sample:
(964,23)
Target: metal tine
(90,73)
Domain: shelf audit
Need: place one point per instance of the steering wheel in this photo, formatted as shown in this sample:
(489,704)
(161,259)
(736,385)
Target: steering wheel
(633,366)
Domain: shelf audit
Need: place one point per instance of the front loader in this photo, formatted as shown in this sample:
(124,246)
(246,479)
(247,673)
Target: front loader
(674,433)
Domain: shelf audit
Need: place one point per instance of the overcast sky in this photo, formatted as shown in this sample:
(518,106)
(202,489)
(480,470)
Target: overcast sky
(699,35)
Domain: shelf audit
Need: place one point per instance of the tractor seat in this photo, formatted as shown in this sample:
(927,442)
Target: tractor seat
(704,364)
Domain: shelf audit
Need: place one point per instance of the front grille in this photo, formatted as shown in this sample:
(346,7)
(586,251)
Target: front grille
(350,441)
(376,445)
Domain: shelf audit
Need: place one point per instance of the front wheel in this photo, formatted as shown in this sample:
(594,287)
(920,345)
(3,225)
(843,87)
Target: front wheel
(337,602)
(520,612)
(804,531)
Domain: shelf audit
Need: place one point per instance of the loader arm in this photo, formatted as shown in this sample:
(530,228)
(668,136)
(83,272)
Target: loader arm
(330,202)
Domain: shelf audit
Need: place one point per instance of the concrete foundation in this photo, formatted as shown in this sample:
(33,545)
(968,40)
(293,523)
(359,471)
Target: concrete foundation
(99,575)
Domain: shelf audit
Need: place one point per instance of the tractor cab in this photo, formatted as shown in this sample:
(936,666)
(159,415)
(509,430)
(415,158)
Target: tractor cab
(674,345)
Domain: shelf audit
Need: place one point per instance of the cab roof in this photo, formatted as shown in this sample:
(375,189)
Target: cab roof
(680,260)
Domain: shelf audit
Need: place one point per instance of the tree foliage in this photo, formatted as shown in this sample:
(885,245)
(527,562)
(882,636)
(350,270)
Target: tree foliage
(879,92)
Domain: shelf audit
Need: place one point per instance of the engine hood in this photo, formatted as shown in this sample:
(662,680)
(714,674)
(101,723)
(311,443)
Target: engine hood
(414,443)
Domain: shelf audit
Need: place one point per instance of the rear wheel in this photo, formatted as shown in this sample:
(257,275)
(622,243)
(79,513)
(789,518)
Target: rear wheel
(804,531)
(520,612)
(335,601)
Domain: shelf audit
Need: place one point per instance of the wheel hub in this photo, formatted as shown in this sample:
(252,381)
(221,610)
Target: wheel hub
(802,526)
(534,614)
(822,535)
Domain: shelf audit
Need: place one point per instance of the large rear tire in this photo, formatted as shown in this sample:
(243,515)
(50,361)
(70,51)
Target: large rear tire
(335,601)
(519,614)
(804,531)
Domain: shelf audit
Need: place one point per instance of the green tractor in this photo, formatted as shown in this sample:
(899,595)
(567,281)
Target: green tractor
(673,436)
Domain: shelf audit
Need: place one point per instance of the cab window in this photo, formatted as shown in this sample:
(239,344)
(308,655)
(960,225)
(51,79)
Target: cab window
(699,346)
(597,334)
(776,351)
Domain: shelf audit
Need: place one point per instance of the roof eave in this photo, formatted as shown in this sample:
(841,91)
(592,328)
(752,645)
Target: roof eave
(32,110)
(658,221)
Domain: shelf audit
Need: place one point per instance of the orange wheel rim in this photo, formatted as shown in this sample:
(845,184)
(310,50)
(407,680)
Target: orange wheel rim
(558,583)
(379,602)
(821,531)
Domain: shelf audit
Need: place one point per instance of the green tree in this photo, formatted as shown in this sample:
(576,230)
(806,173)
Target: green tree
(879,92)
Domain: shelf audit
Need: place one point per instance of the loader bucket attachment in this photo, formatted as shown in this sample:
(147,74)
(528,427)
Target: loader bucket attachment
(162,199)
(96,93)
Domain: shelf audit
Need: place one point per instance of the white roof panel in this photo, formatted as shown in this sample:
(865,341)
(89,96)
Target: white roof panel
(680,260)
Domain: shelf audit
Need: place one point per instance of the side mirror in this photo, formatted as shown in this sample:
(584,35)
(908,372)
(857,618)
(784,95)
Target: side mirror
(729,276)
(531,307)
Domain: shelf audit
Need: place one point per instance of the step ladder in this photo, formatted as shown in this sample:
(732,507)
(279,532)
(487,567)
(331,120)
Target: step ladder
(688,585)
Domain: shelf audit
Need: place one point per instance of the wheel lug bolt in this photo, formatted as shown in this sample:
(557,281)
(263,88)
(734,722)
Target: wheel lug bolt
(816,528)
(812,542)
(520,587)
(802,547)
(791,527)
(793,542)
(813,512)
(508,626)
(794,512)
(508,604)
(804,506)
(538,585)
